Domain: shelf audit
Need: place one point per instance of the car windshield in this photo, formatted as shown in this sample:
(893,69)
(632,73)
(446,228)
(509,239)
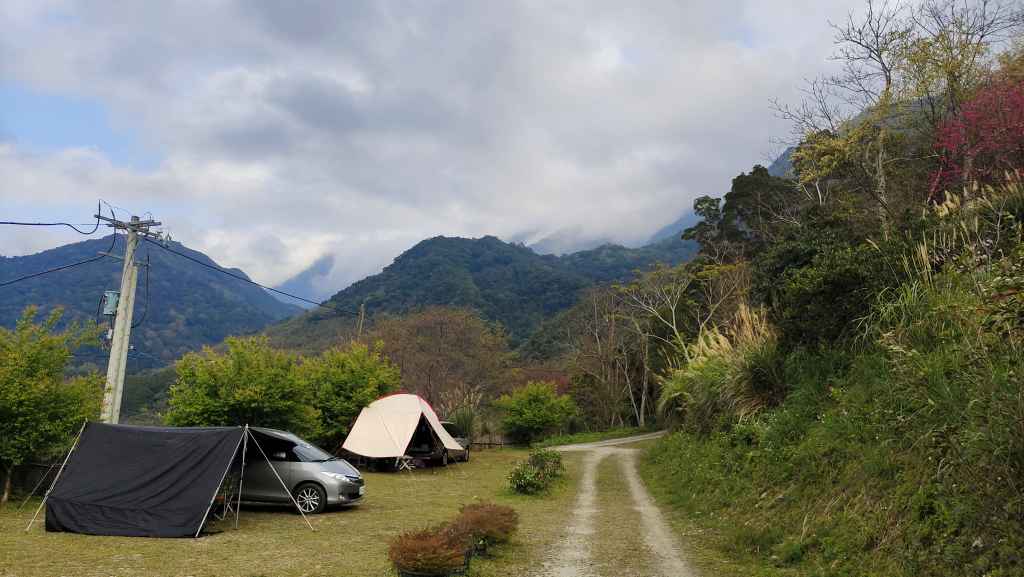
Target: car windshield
(311,453)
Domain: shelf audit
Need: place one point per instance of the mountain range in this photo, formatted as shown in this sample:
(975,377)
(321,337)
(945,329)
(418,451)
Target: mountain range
(180,305)
(507,283)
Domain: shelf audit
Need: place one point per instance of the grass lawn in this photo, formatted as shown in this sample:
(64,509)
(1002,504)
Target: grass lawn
(274,542)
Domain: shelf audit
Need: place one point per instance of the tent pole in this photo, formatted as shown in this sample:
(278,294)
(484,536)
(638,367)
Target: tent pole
(286,490)
(36,488)
(215,491)
(59,471)
(241,475)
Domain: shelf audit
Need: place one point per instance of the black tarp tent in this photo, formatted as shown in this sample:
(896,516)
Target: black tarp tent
(142,481)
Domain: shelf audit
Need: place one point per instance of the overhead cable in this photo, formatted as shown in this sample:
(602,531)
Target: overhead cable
(100,256)
(250,281)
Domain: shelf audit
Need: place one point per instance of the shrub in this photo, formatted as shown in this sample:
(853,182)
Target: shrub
(429,551)
(481,525)
(527,479)
(548,462)
(535,409)
(728,377)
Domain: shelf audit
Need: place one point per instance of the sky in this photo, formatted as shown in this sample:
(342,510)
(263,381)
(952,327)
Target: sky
(278,135)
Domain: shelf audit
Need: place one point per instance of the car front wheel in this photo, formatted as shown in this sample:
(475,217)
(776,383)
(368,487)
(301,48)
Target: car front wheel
(311,498)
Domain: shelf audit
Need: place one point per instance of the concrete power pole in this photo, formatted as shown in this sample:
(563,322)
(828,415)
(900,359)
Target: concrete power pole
(121,335)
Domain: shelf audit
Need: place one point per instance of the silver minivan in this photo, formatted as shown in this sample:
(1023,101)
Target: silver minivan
(314,477)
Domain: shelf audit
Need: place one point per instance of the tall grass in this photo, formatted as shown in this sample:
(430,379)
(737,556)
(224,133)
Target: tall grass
(727,377)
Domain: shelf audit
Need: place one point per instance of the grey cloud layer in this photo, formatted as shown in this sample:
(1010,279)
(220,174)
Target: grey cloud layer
(291,130)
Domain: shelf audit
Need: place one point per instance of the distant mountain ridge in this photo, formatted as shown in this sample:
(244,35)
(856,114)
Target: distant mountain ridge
(188,305)
(507,283)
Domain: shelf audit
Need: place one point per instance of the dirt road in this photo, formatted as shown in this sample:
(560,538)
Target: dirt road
(617,533)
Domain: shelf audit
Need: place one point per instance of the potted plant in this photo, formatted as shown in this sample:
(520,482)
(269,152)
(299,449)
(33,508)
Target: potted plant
(428,552)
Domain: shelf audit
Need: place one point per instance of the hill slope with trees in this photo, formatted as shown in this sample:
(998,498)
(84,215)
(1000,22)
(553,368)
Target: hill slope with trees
(180,306)
(507,283)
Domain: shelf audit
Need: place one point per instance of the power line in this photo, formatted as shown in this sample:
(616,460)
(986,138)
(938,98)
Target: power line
(250,281)
(101,256)
(74,227)
(95,226)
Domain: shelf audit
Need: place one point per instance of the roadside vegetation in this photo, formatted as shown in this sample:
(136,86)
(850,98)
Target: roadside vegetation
(847,398)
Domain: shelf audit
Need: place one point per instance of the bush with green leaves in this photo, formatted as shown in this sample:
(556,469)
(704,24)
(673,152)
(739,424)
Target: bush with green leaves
(527,479)
(40,408)
(534,410)
(547,462)
(252,383)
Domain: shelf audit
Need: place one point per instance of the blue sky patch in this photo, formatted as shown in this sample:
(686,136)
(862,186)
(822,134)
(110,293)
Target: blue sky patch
(46,122)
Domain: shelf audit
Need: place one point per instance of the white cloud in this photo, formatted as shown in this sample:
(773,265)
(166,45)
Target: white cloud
(291,130)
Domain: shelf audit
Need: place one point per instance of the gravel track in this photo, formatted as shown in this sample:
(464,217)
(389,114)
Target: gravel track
(572,555)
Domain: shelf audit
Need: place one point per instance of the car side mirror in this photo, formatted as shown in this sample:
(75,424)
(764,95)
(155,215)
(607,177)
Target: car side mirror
(278,456)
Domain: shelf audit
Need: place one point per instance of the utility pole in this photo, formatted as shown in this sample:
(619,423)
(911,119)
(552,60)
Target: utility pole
(120,337)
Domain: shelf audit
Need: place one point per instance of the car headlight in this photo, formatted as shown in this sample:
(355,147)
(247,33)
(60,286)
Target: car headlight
(335,476)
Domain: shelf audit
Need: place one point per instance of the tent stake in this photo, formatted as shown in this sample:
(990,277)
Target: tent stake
(286,490)
(241,475)
(59,471)
(217,490)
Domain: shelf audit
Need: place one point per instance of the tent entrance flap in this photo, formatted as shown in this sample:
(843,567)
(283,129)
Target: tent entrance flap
(424,440)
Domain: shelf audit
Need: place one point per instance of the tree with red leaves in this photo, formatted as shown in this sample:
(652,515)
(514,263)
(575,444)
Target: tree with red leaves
(983,142)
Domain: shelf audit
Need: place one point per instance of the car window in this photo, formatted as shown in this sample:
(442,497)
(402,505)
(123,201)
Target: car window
(311,453)
(347,468)
(452,429)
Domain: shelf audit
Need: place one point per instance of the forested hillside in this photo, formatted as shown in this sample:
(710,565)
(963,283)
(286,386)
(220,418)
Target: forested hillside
(180,305)
(507,283)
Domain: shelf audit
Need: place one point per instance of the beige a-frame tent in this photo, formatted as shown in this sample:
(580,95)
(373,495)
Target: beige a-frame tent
(386,426)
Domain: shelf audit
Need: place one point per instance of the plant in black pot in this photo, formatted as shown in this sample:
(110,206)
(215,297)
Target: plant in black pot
(428,552)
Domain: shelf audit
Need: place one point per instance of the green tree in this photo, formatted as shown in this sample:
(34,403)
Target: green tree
(250,383)
(40,409)
(534,409)
(343,380)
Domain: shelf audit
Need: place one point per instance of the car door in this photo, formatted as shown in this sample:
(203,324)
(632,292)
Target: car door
(260,483)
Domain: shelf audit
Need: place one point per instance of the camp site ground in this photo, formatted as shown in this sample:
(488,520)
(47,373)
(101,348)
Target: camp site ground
(274,541)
